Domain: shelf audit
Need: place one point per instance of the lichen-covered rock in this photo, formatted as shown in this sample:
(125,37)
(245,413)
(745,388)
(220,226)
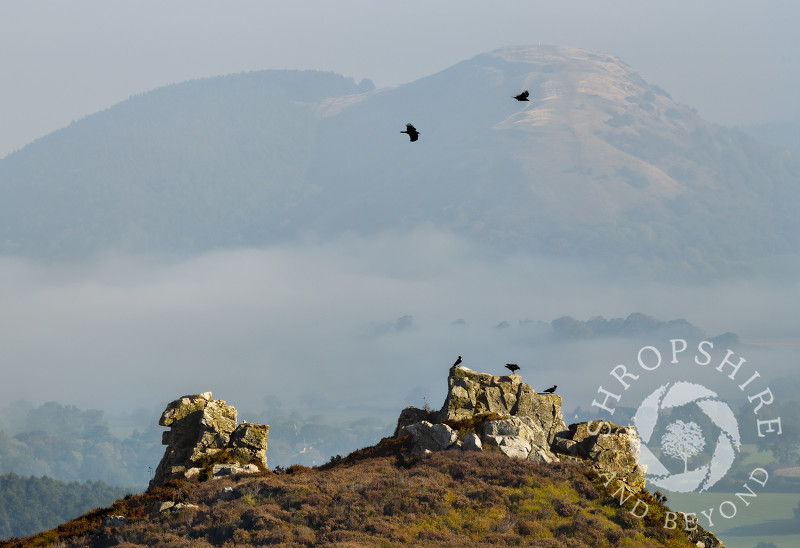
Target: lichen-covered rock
(217,424)
(610,449)
(472,442)
(471,394)
(182,407)
(249,443)
(544,409)
(430,437)
(539,454)
(411,415)
(518,437)
(203,432)
(511,446)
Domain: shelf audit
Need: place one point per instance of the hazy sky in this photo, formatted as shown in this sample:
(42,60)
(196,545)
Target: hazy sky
(736,61)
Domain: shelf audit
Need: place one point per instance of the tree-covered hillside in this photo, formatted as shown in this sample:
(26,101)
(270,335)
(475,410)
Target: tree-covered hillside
(29,505)
(70,444)
(192,166)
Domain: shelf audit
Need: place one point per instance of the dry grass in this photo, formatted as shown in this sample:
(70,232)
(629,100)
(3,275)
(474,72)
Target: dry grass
(374,498)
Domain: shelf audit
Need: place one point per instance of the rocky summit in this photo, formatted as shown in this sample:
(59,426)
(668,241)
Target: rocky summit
(204,438)
(486,412)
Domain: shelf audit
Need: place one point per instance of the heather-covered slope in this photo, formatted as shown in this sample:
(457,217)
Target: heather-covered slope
(444,499)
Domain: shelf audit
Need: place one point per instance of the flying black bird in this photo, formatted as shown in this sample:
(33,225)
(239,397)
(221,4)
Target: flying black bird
(522,96)
(458,361)
(552,389)
(413,134)
(512,367)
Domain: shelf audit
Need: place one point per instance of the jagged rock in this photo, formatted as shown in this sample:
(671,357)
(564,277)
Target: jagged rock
(613,450)
(227,494)
(203,432)
(183,407)
(538,454)
(518,437)
(430,437)
(216,425)
(472,394)
(249,443)
(511,446)
(472,443)
(410,415)
(543,409)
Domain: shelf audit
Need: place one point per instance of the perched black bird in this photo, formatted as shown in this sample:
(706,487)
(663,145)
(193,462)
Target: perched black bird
(413,134)
(551,389)
(522,96)
(458,361)
(512,367)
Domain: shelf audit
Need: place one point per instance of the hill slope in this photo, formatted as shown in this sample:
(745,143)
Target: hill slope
(444,499)
(599,164)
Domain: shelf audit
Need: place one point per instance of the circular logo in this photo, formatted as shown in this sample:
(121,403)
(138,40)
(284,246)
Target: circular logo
(658,425)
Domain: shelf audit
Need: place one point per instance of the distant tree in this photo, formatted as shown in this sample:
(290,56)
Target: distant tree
(786,446)
(682,441)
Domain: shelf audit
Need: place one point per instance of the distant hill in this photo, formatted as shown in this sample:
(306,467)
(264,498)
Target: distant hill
(598,165)
(784,134)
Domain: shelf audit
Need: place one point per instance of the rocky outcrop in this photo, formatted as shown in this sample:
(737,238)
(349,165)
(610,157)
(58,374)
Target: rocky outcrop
(701,537)
(431,437)
(608,448)
(204,438)
(501,413)
(490,412)
(471,394)
(520,437)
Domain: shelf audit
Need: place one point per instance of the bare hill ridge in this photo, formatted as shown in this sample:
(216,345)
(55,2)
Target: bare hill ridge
(599,164)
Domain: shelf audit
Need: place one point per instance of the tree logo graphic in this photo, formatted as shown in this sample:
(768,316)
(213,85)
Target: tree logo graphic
(686,440)
(683,440)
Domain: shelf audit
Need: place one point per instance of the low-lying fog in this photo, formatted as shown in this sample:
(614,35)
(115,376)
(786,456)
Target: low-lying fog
(362,321)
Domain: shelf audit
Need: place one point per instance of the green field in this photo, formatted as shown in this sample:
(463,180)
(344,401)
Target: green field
(768,518)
